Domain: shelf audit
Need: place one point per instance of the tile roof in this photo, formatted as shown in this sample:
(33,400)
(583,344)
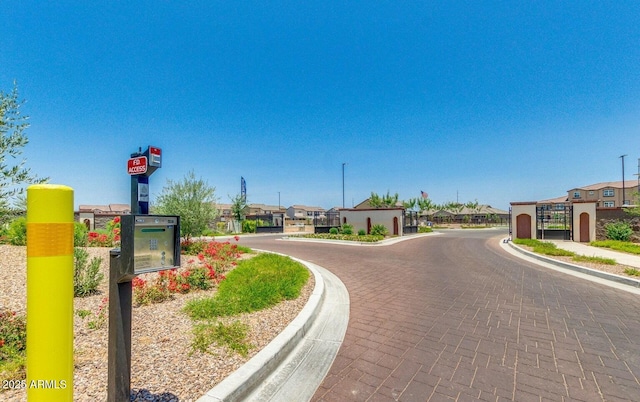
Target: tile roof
(608,184)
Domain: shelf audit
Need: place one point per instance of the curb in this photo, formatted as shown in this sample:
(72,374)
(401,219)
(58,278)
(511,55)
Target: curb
(577,268)
(239,384)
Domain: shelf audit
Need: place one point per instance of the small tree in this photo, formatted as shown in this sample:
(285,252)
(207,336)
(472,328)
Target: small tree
(386,201)
(12,139)
(193,200)
(474,206)
(238,206)
(425,204)
(411,204)
(375,200)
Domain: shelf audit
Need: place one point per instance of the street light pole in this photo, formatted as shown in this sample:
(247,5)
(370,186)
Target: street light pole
(343,163)
(623,188)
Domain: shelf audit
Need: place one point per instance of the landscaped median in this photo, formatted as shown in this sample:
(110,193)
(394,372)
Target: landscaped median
(343,237)
(173,355)
(550,251)
(345,233)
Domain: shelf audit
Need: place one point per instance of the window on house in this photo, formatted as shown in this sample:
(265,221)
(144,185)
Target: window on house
(608,192)
(609,204)
(559,207)
(576,194)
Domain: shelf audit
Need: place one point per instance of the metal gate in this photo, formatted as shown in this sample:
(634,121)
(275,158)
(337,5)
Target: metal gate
(323,221)
(554,222)
(410,222)
(269,223)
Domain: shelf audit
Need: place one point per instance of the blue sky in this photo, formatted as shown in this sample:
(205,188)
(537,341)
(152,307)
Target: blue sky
(497,101)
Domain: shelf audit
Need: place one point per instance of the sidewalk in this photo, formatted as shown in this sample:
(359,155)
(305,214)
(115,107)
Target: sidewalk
(591,251)
(628,283)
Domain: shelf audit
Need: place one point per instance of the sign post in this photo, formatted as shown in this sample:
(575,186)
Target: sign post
(149,243)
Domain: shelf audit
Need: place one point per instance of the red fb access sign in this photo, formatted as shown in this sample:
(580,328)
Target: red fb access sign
(137,165)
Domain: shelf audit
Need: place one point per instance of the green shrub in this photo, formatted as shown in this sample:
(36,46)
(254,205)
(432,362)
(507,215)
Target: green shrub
(346,229)
(86,274)
(626,247)
(597,260)
(527,242)
(333,231)
(618,231)
(198,278)
(553,250)
(13,344)
(209,232)
(379,230)
(250,226)
(361,237)
(17,232)
(193,247)
(232,336)
(425,229)
(632,271)
(362,232)
(80,234)
(543,247)
(155,292)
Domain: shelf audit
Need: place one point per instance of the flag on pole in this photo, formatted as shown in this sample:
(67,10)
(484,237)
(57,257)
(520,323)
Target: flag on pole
(424,195)
(243,189)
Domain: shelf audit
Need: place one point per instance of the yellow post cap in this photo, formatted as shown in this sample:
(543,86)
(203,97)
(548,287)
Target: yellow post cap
(49,203)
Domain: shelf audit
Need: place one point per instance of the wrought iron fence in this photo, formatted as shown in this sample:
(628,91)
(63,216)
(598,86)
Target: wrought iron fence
(269,223)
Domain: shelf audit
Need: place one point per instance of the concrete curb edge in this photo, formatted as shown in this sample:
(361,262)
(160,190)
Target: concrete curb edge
(573,267)
(241,382)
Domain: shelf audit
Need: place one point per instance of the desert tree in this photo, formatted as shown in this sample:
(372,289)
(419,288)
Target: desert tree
(193,199)
(13,173)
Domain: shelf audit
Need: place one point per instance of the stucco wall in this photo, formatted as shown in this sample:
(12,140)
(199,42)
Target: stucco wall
(358,218)
(578,209)
(518,209)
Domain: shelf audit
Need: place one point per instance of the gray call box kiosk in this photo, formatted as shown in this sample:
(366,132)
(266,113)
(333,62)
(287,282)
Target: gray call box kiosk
(149,243)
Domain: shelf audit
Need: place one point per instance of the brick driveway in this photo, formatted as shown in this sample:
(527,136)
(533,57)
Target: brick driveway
(453,317)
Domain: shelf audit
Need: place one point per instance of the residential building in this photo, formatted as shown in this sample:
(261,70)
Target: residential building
(573,216)
(303,212)
(480,215)
(96,216)
(607,194)
(263,209)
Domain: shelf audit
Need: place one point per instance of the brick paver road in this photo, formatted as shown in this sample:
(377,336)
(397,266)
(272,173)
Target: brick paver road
(453,317)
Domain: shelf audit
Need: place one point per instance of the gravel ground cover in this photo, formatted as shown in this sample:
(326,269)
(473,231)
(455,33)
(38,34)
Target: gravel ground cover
(163,369)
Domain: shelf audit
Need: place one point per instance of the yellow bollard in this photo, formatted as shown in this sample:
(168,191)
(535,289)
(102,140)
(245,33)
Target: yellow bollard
(49,293)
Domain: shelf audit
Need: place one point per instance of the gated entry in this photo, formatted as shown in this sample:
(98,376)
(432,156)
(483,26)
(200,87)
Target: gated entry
(270,223)
(554,222)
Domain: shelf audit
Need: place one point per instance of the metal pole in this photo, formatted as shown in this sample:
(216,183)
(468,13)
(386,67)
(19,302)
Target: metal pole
(119,345)
(623,189)
(343,185)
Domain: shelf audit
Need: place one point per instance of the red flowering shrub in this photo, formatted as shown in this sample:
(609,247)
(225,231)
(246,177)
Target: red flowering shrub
(108,237)
(13,335)
(146,293)
(192,247)
(203,272)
